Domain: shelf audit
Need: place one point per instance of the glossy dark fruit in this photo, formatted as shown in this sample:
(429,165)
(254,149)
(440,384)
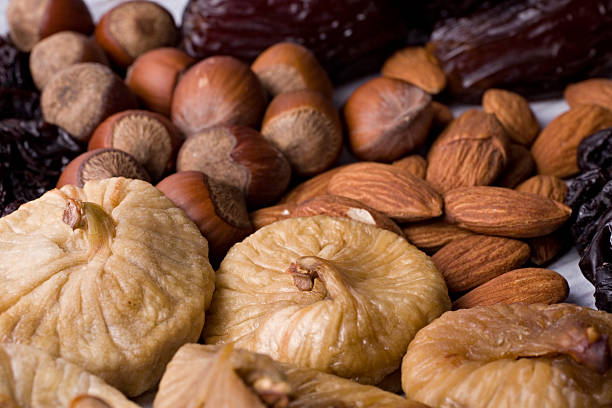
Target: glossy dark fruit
(584,187)
(14,66)
(528,46)
(596,151)
(19,104)
(32,156)
(596,266)
(349,37)
(591,215)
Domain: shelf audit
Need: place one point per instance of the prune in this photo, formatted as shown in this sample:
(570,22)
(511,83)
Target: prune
(14,66)
(528,46)
(350,37)
(591,215)
(584,187)
(32,156)
(19,104)
(596,151)
(596,266)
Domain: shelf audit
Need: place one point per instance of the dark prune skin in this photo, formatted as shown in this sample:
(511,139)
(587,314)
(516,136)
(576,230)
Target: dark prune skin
(19,104)
(349,37)
(534,47)
(596,266)
(591,215)
(596,151)
(584,187)
(14,66)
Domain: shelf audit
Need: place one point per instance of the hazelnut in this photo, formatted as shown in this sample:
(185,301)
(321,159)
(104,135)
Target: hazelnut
(80,97)
(306,127)
(217,91)
(149,137)
(32,20)
(101,164)
(133,28)
(61,50)
(153,76)
(217,209)
(286,67)
(387,118)
(238,156)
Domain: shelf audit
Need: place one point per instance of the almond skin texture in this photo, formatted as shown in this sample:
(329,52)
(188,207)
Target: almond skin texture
(312,187)
(415,165)
(596,91)
(546,186)
(556,147)
(471,261)
(514,113)
(504,212)
(527,285)
(431,235)
(417,66)
(393,192)
(519,166)
(267,215)
(472,151)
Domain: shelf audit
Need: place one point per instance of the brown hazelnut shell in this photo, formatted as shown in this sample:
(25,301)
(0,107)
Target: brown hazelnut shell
(156,156)
(153,76)
(217,209)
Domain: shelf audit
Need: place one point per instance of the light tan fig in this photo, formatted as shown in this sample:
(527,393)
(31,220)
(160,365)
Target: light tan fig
(223,376)
(417,66)
(310,188)
(474,260)
(472,151)
(387,119)
(504,212)
(415,165)
(88,401)
(388,189)
(431,235)
(519,166)
(528,356)
(357,293)
(556,148)
(514,113)
(527,285)
(30,377)
(597,91)
(105,264)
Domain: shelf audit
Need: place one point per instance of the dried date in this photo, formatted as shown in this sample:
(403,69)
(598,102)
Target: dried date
(596,151)
(596,265)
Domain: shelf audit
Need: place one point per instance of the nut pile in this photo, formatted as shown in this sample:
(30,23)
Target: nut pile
(332,279)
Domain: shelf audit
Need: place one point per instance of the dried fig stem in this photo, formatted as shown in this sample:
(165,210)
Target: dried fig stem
(92,218)
(307,268)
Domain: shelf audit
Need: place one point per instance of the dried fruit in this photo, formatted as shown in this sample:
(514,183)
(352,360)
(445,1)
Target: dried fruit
(596,266)
(504,212)
(594,91)
(514,113)
(595,151)
(431,235)
(415,165)
(591,216)
(585,187)
(418,67)
(520,165)
(471,151)
(555,149)
(474,260)
(394,192)
(14,66)
(99,260)
(527,285)
(387,118)
(512,355)
(31,377)
(301,277)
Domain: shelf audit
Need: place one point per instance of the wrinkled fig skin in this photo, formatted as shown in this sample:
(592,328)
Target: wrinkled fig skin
(596,265)
(527,356)
(348,37)
(527,46)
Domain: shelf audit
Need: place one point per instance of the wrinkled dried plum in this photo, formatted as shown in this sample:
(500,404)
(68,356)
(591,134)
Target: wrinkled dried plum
(528,46)
(596,266)
(584,187)
(32,156)
(14,66)
(592,214)
(596,151)
(350,37)
(19,104)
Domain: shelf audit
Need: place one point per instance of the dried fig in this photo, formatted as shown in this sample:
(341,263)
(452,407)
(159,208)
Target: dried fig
(111,277)
(327,293)
(32,378)
(512,356)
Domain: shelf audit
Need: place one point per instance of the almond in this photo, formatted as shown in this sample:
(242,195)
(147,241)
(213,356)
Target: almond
(415,165)
(470,152)
(336,206)
(514,113)
(527,285)
(519,166)
(546,248)
(417,66)
(393,192)
(547,186)
(596,91)
(504,212)
(431,235)
(268,215)
(556,147)
(443,116)
(471,261)
(312,187)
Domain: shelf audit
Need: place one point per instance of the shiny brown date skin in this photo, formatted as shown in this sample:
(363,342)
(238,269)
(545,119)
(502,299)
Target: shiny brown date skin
(534,47)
